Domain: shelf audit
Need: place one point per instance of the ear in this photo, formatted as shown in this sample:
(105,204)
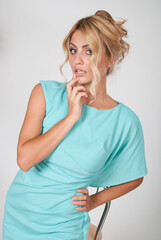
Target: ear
(111,62)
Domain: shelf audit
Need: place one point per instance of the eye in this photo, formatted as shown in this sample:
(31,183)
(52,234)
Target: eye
(90,51)
(71,49)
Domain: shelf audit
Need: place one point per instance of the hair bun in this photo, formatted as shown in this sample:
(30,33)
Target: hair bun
(104,14)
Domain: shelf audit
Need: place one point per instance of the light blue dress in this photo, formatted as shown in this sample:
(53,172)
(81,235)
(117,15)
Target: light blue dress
(103,148)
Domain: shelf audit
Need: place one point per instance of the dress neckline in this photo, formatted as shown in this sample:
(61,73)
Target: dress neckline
(97,109)
(103,110)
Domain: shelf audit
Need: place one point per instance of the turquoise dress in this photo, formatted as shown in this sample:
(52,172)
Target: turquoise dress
(103,148)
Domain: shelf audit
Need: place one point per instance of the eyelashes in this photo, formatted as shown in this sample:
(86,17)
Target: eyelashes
(71,49)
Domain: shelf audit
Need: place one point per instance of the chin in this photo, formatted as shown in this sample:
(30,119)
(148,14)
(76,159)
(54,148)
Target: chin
(83,80)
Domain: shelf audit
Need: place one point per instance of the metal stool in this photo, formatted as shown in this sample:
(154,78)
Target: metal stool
(95,232)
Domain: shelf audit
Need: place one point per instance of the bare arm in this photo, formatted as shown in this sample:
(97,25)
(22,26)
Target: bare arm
(113,192)
(33,146)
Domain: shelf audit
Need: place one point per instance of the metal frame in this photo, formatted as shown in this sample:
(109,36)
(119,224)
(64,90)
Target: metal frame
(103,218)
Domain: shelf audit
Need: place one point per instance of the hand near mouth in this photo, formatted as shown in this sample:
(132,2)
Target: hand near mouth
(76,93)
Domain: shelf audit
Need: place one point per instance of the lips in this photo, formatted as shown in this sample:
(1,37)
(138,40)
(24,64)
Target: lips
(80,72)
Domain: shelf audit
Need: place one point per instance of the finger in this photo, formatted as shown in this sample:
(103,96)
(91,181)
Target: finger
(81,208)
(79,95)
(83,190)
(79,202)
(74,75)
(80,197)
(71,84)
(76,89)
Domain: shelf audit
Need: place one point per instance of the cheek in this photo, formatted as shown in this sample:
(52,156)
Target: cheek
(70,61)
(87,66)
(102,67)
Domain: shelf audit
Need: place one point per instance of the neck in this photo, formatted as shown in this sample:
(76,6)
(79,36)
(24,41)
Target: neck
(101,94)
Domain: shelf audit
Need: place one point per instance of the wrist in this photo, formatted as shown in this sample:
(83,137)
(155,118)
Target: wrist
(70,119)
(94,201)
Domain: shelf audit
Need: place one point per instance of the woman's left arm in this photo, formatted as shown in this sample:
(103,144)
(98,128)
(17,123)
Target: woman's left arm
(113,192)
(104,196)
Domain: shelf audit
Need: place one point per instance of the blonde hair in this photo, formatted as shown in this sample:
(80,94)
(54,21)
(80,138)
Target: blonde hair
(99,26)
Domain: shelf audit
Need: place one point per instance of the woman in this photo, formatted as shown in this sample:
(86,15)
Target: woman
(75,136)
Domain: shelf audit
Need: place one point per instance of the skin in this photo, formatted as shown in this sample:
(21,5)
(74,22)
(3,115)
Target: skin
(79,57)
(95,200)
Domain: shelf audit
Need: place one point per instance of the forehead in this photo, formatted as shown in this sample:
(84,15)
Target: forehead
(79,39)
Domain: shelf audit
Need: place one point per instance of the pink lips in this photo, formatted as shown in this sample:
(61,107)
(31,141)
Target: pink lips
(80,74)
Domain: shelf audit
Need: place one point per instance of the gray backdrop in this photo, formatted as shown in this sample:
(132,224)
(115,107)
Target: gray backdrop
(31,35)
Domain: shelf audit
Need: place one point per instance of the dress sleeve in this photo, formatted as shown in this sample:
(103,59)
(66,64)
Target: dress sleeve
(51,90)
(128,163)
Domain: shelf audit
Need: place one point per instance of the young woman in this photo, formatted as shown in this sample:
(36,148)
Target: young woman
(74,136)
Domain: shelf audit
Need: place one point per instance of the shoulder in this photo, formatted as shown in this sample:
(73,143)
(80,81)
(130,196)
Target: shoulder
(53,91)
(130,117)
(50,83)
(37,92)
(51,87)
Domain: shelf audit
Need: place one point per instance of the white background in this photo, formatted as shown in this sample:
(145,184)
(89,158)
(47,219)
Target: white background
(31,35)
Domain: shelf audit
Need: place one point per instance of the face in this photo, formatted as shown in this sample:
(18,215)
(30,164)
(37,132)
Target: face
(79,58)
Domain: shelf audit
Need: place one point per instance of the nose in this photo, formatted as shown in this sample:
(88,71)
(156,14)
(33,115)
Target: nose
(78,58)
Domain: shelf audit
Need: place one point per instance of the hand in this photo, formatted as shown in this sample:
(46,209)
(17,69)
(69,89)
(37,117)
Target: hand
(85,200)
(75,93)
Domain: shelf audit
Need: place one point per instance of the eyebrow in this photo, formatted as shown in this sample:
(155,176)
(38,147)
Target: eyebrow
(82,46)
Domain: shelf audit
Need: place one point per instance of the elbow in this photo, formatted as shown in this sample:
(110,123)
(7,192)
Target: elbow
(139,181)
(22,166)
(21,162)
(136,183)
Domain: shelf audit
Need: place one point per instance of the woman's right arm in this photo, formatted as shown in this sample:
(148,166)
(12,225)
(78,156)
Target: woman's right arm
(33,146)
